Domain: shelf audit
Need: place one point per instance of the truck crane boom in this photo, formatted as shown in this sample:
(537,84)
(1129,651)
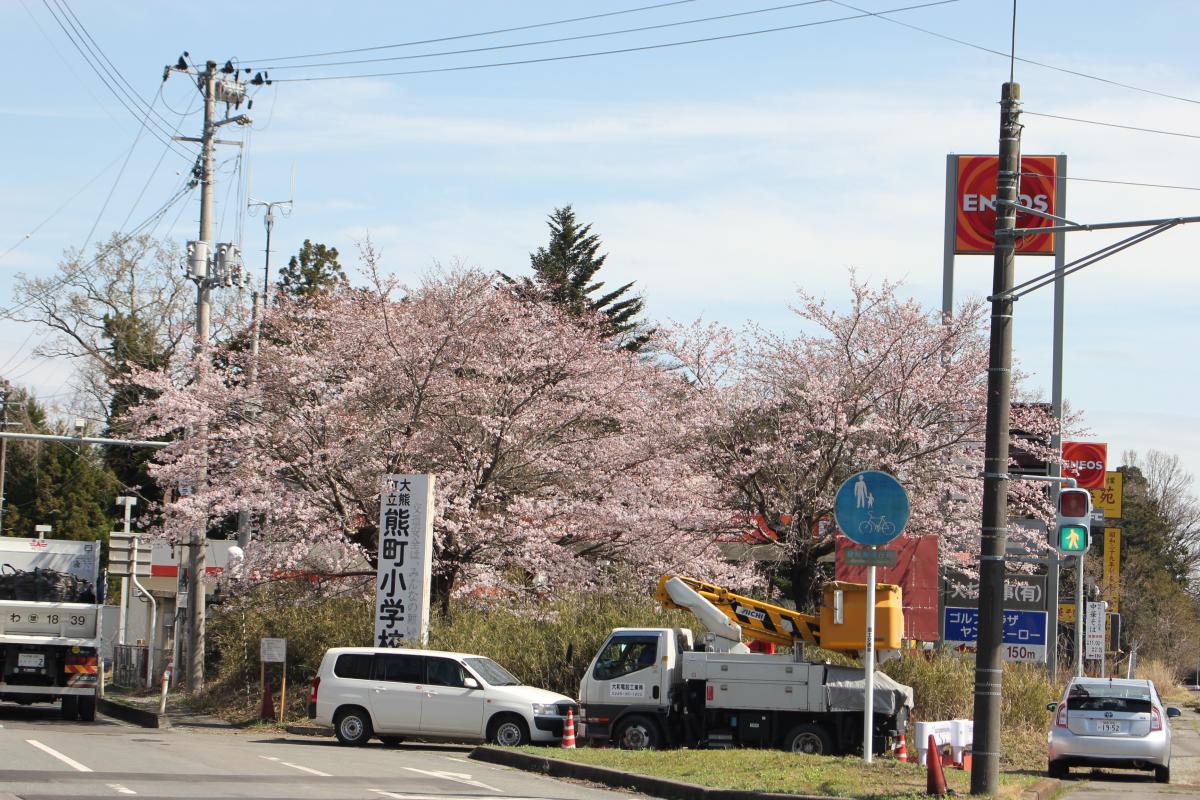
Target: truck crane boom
(764,622)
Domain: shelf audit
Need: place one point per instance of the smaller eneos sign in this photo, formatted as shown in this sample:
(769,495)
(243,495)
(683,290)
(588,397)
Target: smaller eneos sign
(1085,462)
(975,196)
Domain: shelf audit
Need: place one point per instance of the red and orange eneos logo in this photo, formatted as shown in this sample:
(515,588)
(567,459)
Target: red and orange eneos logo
(975,216)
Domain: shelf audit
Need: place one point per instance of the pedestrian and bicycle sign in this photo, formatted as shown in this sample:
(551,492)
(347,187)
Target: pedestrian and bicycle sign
(871,508)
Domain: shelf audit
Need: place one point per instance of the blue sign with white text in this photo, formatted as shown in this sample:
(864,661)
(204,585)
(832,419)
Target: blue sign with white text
(871,508)
(1024,632)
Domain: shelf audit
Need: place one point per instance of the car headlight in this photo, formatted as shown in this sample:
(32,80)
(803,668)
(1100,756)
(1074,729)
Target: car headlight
(545,708)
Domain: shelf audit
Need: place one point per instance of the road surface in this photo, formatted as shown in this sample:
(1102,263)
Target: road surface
(42,757)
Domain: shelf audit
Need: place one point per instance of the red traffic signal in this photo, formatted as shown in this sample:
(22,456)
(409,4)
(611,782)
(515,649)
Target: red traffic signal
(1074,503)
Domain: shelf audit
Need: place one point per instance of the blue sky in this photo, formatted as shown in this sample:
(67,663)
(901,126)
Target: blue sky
(721,176)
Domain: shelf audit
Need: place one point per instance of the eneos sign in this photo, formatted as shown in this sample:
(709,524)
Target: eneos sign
(1085,462)
(975,214)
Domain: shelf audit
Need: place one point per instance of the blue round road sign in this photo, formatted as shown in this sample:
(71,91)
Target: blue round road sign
(871,508)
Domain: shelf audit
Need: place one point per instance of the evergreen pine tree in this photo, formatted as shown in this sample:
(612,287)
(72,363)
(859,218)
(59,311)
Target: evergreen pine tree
(313,271)
(564,273)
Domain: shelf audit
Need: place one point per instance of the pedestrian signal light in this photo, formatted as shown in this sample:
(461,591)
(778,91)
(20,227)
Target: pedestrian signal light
(1073,522)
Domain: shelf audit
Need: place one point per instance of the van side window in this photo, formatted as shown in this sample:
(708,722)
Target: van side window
(353,665)
(625,654)
(399,668)
(444,672)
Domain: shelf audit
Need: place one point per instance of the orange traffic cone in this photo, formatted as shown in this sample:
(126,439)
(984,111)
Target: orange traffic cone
(568,739)
(902,751)
(935,779)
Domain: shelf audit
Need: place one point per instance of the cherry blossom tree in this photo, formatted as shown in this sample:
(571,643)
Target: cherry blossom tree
(882,385)
(560,461)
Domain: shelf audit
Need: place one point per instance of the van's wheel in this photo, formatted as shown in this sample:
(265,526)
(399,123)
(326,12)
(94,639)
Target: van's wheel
(809,738)
(352,726)
(1162,774)
(70,707)
(508,731)
(391,741)
(637,733)
(87,709)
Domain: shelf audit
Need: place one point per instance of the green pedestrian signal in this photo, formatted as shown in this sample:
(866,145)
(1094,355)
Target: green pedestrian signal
(1072,539)
(1073,522)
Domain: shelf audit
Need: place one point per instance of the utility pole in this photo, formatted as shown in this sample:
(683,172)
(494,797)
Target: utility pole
(4,390)
(985,777)
(285,207)
(226,270)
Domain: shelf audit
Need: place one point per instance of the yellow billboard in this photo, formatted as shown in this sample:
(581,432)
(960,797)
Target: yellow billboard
(1109,498)
(1111,579)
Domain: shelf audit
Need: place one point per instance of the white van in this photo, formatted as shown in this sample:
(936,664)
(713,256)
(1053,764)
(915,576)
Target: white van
(391,693)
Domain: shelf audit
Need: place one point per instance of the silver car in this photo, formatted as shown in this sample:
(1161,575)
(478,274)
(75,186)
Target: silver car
(1110,722)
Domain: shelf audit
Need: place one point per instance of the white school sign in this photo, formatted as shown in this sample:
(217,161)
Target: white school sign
(405,560)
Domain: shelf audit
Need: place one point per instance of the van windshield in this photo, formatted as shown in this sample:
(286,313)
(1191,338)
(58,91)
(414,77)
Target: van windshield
(491,672)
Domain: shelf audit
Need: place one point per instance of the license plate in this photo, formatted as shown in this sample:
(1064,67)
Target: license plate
(1109,726)
(37,660)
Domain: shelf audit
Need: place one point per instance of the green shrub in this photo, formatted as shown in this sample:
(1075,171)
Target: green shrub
(531,639)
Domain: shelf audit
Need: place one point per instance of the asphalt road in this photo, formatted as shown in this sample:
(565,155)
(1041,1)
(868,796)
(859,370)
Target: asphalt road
(43,757)
(1085,784)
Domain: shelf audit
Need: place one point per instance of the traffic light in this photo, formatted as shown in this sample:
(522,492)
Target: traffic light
(1073,522)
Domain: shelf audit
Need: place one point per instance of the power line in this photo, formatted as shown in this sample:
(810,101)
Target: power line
(1043,65)
(558,40)
(122,96)
(619,51)
(150,222)
(1116,182)
(58,210)
(470,35)
(1113,125)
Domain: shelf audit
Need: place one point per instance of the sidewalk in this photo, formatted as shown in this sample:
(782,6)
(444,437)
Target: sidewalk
(142,709)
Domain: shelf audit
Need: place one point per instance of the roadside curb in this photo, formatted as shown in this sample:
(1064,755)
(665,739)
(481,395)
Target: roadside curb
(301,729)
(127,713)
(1042,790)
(616,779)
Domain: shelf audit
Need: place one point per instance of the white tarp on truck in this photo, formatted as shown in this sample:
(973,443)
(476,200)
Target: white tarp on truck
(846,687)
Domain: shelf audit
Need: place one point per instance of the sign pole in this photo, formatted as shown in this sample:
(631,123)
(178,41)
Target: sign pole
(869,665)
(1080,616)
(283,691)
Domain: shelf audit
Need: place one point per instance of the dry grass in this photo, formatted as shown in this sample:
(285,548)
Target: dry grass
(1165,678)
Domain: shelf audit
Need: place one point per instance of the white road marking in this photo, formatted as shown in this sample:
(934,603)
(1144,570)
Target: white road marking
(70,762)
(119,789)
(457,777)
(297,766)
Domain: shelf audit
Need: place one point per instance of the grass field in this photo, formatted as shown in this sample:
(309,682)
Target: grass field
(776,771)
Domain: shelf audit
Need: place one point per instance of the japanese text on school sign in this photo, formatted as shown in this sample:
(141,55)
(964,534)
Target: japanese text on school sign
(871,508)
(1024,633)
(405,560)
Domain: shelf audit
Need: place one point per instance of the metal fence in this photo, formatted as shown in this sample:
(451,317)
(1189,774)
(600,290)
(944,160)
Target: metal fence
(131,663)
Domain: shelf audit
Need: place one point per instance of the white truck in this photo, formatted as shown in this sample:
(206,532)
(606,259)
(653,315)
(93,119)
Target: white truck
(50,624)
(650,688)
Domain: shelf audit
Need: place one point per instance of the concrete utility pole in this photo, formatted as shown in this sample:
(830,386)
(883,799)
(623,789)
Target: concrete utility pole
(4,390)
(226,270)
(985,777)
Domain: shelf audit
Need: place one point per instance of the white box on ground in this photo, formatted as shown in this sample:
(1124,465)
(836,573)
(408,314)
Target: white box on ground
(958,733)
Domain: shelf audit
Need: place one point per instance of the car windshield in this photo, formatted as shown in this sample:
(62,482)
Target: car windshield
(1109,697)
(491,672)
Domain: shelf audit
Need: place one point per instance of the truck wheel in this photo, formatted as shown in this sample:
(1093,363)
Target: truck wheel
(70,707)
(352,726)
(637,733)
(809,738)
(509,731)
(87,709)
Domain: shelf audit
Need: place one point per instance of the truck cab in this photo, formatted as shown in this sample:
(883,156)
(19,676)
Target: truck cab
(626,691)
